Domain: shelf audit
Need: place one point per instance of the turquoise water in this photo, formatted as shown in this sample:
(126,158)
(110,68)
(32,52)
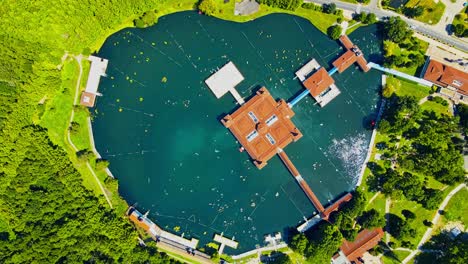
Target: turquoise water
(158,123)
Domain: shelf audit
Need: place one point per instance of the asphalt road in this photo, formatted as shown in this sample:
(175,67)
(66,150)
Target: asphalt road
(420,27)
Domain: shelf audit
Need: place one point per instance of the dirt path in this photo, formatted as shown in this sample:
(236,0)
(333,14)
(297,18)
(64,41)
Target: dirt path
(78,58)
(428,232)
(373,197)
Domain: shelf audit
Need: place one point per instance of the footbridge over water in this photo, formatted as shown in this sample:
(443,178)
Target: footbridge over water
(323,212)
(400,74)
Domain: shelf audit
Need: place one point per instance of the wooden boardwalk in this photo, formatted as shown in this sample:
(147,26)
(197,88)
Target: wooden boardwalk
(304,186)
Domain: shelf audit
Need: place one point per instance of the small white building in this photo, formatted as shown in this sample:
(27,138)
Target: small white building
(97,69)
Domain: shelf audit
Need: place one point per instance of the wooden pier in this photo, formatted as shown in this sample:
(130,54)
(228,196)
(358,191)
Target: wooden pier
(225,80)
(352,55)
(336,205)
(224,241)
(302,183)
(156,232)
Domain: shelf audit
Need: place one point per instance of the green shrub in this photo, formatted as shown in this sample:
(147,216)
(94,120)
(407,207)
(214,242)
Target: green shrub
(283,4)
(74,127)
(334,32)
(84,154)
(208,7)
(101,164)
(147,19)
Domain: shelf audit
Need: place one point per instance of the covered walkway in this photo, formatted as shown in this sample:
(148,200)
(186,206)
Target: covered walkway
(400,74)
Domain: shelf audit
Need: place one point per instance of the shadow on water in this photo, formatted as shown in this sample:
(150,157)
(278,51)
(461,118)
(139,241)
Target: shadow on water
(368,122)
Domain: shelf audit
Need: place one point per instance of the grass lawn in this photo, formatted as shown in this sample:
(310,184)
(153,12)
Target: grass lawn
(55,119)
(432,11)
(179,257)
(353,25)
(421,215)
(378,204)
(81,137)
(457,208)
(58,110)
(436,107)
(407,88)
(395,256)
(435,184)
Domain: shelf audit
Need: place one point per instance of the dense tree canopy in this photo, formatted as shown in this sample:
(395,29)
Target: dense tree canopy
(208,7)
(334,32)
(320,246)
(454,250)
(52,218)
(432,147)
(283,4)
(396,30)
(372,219)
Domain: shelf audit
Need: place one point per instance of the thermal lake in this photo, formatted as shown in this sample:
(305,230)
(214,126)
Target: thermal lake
(159,124)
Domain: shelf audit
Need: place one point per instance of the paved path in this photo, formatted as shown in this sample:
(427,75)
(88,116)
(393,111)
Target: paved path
(372,141)
(428,233)
(259,251)
(451,9)
(373,197)
(387,214)
(415,25)
(78,58)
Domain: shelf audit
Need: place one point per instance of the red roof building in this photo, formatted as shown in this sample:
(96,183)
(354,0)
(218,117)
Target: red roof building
(447,76)
(352,251)
(263,126)
(318,82)
(345,60)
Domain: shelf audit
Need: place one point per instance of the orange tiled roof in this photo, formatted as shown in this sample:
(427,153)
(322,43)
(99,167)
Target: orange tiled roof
(87,99)
(138,222)
(365,240)
(345,60)
(318,82)
(262,126)
(444,75)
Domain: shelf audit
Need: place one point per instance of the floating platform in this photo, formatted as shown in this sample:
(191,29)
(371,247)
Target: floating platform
(305,71)
(328,95)
(309,223)
(225,80)
(262,126)
(224,241)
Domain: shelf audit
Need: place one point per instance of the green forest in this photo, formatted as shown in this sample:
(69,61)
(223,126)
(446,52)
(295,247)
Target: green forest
(46,214)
